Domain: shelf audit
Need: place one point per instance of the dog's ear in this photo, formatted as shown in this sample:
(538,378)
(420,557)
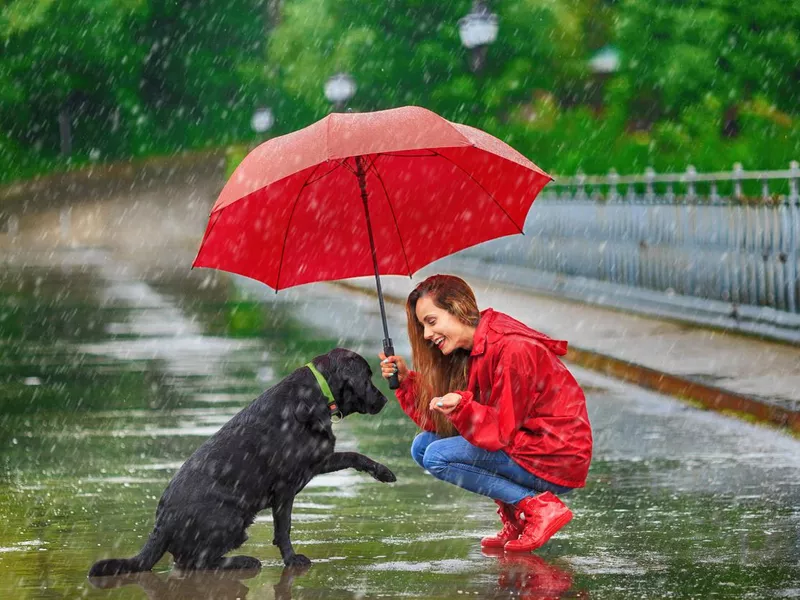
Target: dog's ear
(312,415)
(323,361)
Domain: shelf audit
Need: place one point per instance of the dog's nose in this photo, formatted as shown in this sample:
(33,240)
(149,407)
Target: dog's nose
(378,403)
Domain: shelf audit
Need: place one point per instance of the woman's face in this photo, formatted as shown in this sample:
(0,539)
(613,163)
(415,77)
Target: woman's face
(441,328)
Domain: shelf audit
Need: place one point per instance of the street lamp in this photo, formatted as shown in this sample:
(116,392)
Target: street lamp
(478,30)
(262,120)
(603,64)
(605,61)
(339,89)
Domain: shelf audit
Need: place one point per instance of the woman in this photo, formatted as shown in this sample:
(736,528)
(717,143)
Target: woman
(501,415)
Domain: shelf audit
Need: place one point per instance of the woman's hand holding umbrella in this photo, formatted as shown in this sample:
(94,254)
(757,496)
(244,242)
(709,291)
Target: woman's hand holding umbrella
(393,365)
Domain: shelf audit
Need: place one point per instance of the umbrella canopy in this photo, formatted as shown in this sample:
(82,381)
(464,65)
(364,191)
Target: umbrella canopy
(355,194)
(297,208)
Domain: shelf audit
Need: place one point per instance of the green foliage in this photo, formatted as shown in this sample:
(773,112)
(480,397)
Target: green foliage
(135,77)
(677,52)
(204,71)
(707,82)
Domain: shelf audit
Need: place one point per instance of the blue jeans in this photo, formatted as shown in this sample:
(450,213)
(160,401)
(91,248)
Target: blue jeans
(492,474)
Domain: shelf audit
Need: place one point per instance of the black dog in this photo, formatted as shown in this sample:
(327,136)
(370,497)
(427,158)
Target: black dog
(262,457)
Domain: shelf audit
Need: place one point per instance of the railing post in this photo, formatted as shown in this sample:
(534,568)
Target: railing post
(669,196)
(687,241)
(737,181)
(691,175)
(581,195)
(613,180)
(793,234)
(650,175)
(714,195)
(630,193)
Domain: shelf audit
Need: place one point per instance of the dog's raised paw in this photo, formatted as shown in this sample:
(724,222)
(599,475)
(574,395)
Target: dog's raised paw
(383,474)
(297,560)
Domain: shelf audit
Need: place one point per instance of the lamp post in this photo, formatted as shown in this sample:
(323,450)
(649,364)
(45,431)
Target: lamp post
(603,64)
(339,89)
(478,30)
(65,129)
(262,120)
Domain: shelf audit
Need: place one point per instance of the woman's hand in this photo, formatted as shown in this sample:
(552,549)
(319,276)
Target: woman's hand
(392,365)
(445,404)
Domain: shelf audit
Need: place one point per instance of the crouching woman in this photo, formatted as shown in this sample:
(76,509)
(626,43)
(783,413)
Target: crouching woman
(501,415)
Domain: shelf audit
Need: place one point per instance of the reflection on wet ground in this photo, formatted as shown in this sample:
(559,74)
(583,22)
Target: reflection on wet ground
(189,586)
(108,382)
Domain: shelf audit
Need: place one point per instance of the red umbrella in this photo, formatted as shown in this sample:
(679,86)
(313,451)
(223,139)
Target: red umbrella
(355,194)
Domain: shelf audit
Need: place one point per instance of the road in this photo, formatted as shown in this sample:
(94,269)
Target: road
(112,375)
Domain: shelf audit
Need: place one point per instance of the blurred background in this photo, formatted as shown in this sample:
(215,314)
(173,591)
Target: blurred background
(585,85)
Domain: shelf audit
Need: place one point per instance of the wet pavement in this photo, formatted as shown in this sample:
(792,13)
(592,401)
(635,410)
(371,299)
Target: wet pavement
(110,380)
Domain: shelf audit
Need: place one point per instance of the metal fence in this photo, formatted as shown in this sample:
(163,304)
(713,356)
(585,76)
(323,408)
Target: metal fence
(730,236)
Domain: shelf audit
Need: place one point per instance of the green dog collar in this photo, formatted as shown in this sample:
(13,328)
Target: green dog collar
(326,390)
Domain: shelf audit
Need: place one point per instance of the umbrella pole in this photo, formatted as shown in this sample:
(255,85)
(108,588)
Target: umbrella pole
(388,348)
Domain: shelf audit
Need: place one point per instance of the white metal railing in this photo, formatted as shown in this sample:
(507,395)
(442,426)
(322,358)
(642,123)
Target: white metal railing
(730,236)
(577,185)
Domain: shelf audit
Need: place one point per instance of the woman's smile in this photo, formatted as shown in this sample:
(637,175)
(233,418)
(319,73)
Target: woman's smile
(441,329)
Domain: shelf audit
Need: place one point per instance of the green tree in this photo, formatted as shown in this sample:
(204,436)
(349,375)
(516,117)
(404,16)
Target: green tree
(678,52)
(204,71)
(68,63)
(409,52)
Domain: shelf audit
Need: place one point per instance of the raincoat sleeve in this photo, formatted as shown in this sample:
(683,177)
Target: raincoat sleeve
(513,393)
(407,397)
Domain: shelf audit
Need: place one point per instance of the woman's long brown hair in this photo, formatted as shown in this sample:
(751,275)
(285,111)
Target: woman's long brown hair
(439,374)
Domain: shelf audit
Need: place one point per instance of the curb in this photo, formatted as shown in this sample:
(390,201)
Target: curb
(707,396)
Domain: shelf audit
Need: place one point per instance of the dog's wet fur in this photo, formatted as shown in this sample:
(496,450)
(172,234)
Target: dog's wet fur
(261,458)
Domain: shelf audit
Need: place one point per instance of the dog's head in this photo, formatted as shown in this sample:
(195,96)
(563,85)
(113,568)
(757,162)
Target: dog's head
(350,379)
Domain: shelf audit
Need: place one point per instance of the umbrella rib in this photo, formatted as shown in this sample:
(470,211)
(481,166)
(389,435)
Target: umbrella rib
(488,193)
(394,216)
(343,162)
(373,158)
(289,225)
(324,175)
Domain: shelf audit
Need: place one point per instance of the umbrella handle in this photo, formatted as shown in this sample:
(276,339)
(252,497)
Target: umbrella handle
(388,350)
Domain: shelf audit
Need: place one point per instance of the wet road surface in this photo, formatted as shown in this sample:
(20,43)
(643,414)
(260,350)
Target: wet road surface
(108,381)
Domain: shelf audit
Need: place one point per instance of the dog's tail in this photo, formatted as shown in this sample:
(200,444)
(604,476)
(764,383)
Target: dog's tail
(152,552)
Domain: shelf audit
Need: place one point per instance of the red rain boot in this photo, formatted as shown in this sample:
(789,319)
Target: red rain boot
(544,515)
(511,527)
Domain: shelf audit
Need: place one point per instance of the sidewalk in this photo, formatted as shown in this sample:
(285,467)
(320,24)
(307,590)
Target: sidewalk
(722,371)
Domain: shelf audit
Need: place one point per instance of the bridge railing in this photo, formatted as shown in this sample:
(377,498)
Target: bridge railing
(729,236)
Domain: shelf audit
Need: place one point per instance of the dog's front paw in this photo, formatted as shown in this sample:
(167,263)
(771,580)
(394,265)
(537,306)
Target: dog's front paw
(297,560)
(383,474)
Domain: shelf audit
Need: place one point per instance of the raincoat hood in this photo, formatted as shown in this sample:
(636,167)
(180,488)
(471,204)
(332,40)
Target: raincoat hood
(495,325)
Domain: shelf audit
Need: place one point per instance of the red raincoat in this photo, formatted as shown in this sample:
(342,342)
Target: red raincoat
(520,399)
